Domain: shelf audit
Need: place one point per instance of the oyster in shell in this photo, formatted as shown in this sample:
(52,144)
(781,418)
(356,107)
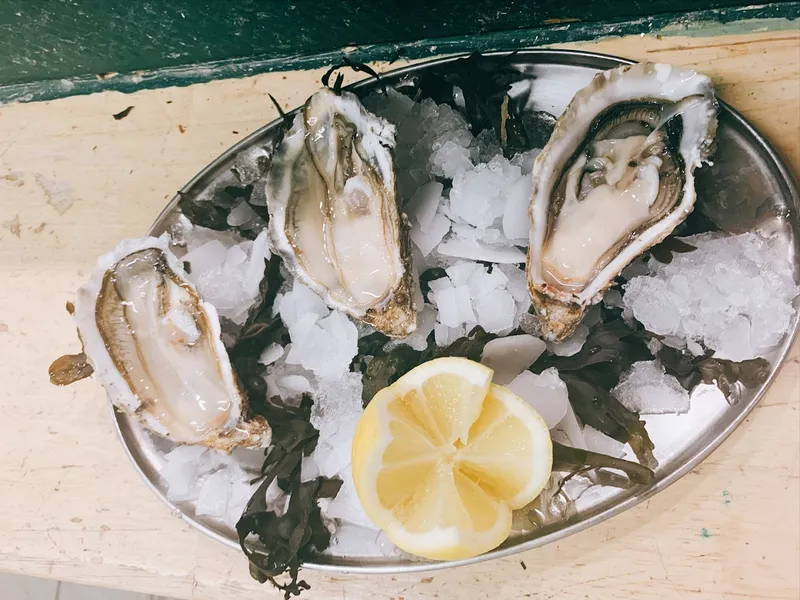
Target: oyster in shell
(615,178)
(334,214)
(155,346)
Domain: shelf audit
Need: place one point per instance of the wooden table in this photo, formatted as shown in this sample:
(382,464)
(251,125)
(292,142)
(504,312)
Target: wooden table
(74,181)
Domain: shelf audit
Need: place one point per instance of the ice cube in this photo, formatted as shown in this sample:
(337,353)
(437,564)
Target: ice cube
(545,392)
(309,469)
(478,195)
(445,335)
(328,348)
(475,250)
(461,272)
(516,223)
(597,441)
(294,385)
(235,257)
(213,498)
(351,540)
(335,413)
(301,302)
(517,282)
(424,203)
(482,282)
(464,304)
(509,356)
(241,214)
(572,429)
(495,311)
(270,354)
(426,241)
(447,305)
(346,506)
(180,472)
(239,495)
(205,258)
(450,160)
(572,345)
(254,273)
(646,389)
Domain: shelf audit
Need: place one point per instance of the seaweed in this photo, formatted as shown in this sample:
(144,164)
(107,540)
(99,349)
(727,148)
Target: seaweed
(575,460)
(692,370)
(213,213)
(484,83)
(663,252)
(384,370)
(286,540)
(611,348)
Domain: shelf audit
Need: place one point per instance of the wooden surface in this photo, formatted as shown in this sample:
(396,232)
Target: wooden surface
(74,181)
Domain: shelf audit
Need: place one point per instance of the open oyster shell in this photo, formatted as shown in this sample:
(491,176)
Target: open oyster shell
(334,214)
(615,178)
(155,346)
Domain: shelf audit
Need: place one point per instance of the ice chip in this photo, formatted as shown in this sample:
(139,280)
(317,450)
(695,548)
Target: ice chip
(241,214)
(270,354)
(544,392)
(516,223)
(447,305)
(475,250)
(597,441)
(510,356)
(495,311)
(426,241)
(424,203)
(461,272)
(571,345)
(646,389)
(733,294)
(213,498)
(445,335)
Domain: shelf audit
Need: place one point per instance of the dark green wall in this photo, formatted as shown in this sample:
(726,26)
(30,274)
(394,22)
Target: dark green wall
(68,42)
(55,39)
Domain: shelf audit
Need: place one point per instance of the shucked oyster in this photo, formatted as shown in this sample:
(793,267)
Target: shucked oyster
(156,348)
(334,215)
(615,179)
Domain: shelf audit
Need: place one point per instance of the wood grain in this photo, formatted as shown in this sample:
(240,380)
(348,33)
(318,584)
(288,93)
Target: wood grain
(74,181)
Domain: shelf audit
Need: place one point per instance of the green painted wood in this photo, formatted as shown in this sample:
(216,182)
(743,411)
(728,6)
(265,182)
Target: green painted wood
(53,48)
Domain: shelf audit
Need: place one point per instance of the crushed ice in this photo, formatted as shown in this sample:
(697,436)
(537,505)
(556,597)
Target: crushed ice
(733,295)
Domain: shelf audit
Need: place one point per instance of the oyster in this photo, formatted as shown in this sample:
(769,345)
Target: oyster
(334,214)
(155,346)
(615,178)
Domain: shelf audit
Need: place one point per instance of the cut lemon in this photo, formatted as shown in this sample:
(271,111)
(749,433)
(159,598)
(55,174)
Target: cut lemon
(442,456)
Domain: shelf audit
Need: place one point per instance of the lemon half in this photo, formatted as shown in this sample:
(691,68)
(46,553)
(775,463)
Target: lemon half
(442,457)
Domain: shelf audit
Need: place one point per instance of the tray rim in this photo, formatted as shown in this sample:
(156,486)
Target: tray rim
(715,439)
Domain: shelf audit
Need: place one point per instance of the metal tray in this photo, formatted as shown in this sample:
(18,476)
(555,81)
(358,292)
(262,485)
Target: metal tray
(747,185)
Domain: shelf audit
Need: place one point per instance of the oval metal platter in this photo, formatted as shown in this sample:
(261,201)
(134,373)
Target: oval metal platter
(748,185)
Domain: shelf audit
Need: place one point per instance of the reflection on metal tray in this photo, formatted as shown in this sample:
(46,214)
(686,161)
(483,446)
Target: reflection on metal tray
(747,185)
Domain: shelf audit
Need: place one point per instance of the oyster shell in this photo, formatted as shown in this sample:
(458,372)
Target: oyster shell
(155,346)
(334,214)
(615,178)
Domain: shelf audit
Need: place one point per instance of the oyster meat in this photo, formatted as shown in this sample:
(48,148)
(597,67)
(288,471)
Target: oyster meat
(334,214)
(155,346)
(615,178)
